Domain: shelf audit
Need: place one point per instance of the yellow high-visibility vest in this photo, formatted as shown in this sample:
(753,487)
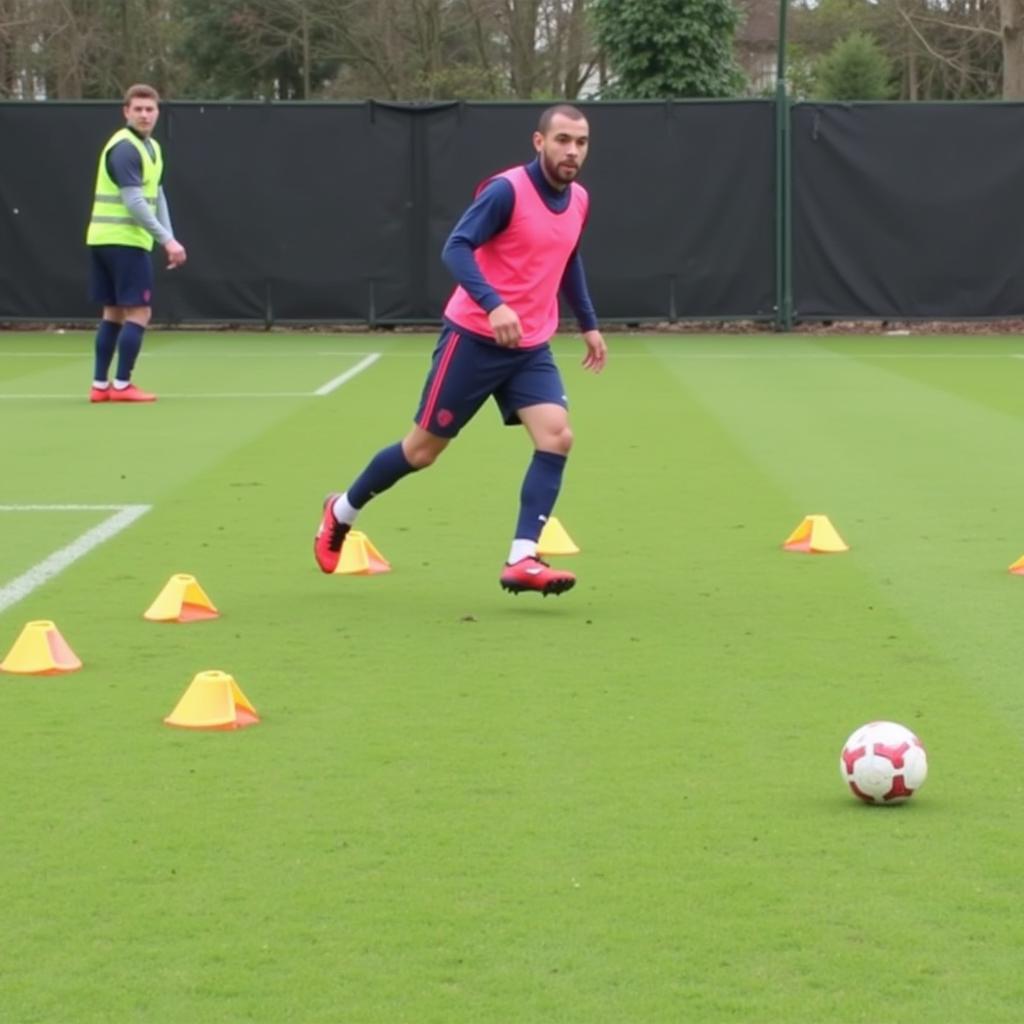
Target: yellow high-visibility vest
(110,222)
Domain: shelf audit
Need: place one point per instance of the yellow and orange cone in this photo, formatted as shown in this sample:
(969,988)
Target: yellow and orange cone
(817,536)
(555,540)
(40,650)
(181,600)
(359,557)
(213,700)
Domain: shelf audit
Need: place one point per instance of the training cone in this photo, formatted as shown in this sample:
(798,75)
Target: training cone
(817,536)
(554,540)
(1018,567)
(181,600)
(40,650)
(213,700)
(359,557)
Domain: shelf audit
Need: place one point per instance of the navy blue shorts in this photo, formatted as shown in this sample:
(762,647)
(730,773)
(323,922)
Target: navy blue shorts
(120,275)
(465,372)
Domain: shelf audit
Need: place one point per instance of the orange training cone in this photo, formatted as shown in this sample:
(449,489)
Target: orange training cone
(181,600)
(359,557)
(817,536)
(1018,567)
(554,540)
(40,650)
(213,700)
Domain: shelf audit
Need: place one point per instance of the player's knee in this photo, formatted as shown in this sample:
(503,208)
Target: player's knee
(420,455)
(420,458)
(139,315)
(559,440)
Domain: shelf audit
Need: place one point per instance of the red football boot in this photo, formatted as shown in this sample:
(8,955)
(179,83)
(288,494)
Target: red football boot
(534,574)
(130,394)
(99,394)
(329,538)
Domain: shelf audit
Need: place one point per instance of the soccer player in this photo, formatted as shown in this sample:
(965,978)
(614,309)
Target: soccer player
(129,214)
(511,253)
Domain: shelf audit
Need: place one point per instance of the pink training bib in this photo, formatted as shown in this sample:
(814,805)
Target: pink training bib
(525,262)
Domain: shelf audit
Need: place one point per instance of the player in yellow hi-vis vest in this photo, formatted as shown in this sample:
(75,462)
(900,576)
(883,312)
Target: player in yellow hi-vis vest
(129,214)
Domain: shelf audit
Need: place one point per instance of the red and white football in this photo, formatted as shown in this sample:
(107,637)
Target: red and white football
(883,763)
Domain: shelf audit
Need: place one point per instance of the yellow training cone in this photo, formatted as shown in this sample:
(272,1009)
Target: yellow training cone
(817,536)
(40,650)
(359,557)
(1018,567)
(181,600)
(213,700)
(554,540)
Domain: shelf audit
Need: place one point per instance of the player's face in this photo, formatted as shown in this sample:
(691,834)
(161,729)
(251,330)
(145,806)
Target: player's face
(562,149)
(141,115)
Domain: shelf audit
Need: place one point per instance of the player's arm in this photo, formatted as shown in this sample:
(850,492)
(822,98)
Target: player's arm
(124,164)
(577,295)
(175,250)
(486,216)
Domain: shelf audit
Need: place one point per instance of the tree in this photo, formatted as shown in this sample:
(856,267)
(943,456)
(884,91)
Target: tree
(856,69)
(258,49)
(390,49)
(298,49)
(952,48)
(1011,26)
(84,49)
(939,49)
(669,48)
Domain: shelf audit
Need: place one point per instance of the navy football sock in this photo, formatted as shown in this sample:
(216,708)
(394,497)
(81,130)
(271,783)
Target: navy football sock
(385,469)
(537,498)
(129,341)
(106,344)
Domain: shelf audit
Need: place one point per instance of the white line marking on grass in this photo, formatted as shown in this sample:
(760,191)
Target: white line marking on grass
(176,396)
(325,389)
(207,353)
(333,385)
(23,585)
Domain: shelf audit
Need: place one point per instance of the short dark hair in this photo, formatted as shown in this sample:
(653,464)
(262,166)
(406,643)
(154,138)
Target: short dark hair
(565,109)
(140,91)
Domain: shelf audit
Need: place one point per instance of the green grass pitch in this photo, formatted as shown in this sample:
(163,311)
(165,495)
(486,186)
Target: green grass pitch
(620,806)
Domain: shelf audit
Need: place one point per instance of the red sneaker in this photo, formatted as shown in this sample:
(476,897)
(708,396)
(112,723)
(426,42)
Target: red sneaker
(329,538)
(130,394)
(534,574)
(99,394)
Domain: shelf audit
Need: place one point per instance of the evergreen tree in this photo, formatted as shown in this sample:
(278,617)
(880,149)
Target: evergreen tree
(668,48)
(856,68)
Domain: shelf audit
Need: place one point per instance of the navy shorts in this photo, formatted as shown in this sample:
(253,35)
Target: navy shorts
(465,372)
(120,275)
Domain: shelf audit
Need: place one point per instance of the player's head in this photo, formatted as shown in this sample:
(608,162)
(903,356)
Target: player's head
(141,108)
(561,141)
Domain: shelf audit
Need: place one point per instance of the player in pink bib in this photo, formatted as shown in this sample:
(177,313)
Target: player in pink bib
(513,251)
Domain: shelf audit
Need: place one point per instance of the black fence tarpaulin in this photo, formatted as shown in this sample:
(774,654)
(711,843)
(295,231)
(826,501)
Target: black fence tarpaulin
(338,212)
(907,210)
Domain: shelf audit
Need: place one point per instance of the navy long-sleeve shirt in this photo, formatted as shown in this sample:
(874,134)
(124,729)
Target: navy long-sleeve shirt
(488,215)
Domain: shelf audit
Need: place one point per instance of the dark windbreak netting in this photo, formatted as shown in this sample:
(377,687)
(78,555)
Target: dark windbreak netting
(339,211)
(908,210)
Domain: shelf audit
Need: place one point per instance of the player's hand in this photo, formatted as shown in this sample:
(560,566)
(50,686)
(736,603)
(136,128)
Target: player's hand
(176,254)
(508,331)
(597,351)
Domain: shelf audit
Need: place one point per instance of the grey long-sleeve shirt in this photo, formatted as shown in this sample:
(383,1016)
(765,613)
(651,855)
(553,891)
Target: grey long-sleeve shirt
(124,165)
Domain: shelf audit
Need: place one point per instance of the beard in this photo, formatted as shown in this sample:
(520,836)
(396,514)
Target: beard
(560,173)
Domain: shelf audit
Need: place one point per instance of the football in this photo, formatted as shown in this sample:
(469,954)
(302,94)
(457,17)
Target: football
(883,763)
